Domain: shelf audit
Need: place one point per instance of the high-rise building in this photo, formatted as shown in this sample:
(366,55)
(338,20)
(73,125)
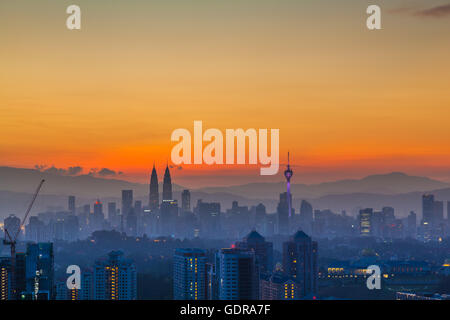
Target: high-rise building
(64,293)
(438,211)
(169,213)
(263,250)
(189,274)
(20,274)
(306,216)
(153,202)
(167,185)
(87,285)
(283,213)
(6,292)
(71,204)
(97,218)
(112,214)
(428,209)
(11,225)
(138,208)
(186,201)
(300,262)
(279,286)
(71,228)
(412,224)
(40,271)
(288,175)
(9,290)
(365,222)
(127,203)
(35,229)
(237,274)
(131,223)
(115,278)
(260,213)
(212,281)
(209,217)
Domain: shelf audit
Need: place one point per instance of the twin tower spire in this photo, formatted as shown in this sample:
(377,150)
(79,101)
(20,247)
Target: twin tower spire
(154,193)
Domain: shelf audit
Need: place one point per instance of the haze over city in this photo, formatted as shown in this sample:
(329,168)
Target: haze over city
(94,205)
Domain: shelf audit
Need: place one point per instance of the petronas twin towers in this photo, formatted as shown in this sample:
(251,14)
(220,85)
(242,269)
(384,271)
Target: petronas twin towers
(154,193)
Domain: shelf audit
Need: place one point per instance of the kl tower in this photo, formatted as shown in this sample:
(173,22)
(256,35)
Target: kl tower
(288,175)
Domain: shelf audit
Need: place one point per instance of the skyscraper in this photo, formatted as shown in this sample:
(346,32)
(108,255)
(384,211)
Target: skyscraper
(427,209)
(167,185)
(365,222)
(115,278)
(35,229)
(306,216)
(71,204)
(288,175)
(412,224)
(186,201)
(112,214)
(97,218)
(6,292)
(283,213)
(189,274)
(127,202)
(263,250)
(87,285)
(237,274)
(438,211)
(169,213)
(153,202)
(40,271)
(300,262)
(131,223)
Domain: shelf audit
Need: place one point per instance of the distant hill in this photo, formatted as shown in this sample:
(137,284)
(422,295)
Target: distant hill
(391,183)
(401,191)
(26,180)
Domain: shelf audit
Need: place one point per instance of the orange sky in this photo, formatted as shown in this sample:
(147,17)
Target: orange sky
(348,102)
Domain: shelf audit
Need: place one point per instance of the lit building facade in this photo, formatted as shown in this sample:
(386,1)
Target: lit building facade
(300,262)
(189,278)
(115,278)
(40,271)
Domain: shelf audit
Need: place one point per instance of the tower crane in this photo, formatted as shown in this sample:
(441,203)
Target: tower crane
(11,239)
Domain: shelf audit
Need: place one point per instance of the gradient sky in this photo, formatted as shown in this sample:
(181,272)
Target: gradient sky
(348,102)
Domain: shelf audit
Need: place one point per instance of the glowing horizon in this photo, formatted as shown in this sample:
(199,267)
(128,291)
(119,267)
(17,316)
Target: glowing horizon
(348,102)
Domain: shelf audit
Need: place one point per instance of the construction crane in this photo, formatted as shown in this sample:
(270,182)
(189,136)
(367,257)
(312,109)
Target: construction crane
(12,240)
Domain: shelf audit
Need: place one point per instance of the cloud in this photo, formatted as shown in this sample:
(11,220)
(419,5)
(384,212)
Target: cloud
(106,172)
(435,12)
(40,167)
(73,171)
(54,170)
(70,171)
(76,170)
